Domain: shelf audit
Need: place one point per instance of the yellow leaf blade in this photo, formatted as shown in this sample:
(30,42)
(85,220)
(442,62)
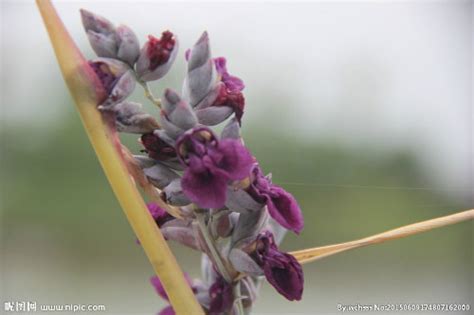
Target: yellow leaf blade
(86,91)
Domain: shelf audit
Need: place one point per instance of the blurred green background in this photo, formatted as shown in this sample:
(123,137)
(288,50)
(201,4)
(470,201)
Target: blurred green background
(360,110)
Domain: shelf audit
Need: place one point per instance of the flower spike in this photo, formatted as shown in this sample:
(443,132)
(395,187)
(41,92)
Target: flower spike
(87,92)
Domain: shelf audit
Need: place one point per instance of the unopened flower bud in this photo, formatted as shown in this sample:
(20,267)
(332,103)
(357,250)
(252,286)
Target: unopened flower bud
(231,130)
(226,93)
(213,115)
(242,262)
(210,97)
(101,34)
(176,116)
(128,46)
(201,76)
(144,161)
(157,56)
(159,175)
(116,77)
(130,118)
(241,201)
(248,227)
(110,42)
(221,224)
(181,231)
(174,195)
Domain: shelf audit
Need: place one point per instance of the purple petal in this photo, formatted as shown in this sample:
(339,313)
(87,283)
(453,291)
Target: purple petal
(159,50)
(221,66)
(285,274)
(159,214)
(206,189)
(128,46)
(283,207)
(155,210)
(167,311)
(221,297)
(233,158)
(233,83)
(155,282)
(157,56)
(282,270)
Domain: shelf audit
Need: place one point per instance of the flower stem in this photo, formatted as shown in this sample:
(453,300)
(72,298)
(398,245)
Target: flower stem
(312,254)
(149,94)
(86,90)
(238,299)
(216,257)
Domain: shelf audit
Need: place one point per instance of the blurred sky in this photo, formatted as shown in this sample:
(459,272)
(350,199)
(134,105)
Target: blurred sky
(379,73)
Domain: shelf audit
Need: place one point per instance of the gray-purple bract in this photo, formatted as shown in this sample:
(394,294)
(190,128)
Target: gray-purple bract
(229,210)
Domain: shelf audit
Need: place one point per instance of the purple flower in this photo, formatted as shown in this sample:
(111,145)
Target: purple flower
(157,56)
(281,205)
(106,76)
(233,83)
(159,214)
(234,100)
(155,281)
(210,165)
(221,297)
(230,93)
(282,270)
(159,50)
(116,78)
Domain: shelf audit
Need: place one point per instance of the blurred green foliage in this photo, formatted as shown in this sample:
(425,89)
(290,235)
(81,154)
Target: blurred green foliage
(59,213)
(53,179)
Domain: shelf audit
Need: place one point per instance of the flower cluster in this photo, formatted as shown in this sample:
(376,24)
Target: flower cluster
(229,210)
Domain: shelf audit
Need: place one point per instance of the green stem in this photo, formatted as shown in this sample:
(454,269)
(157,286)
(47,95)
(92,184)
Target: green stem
(149,94)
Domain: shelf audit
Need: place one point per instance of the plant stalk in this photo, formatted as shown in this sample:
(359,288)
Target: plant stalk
(238,299)
(201,218)
(308,255)
(86,90)
(148,94)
